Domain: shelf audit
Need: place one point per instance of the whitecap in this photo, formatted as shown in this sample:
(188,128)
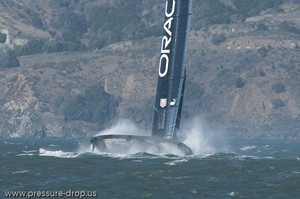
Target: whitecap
(25,154)
(113,155)
(52,145)
(137,161)
(247,157)
(247,148)
(174,162)
(59,154)
(268,158)
(18,172)
(231,194)
(206,155)
(177,177)
(30,151)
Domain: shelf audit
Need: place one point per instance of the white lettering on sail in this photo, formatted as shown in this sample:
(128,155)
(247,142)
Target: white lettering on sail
(166,40)
(166,58)
(167,26)
(172,11)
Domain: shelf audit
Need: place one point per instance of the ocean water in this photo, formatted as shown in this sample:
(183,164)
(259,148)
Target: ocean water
(240,169)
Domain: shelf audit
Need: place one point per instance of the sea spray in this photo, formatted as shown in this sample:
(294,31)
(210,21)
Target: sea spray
(132,146)
(85,146)
(124,127)
(197,134)
(58,153)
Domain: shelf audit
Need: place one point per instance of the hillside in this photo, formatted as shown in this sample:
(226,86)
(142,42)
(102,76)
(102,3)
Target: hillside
(73,68)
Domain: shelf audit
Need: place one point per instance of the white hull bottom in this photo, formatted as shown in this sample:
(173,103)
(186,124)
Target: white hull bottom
(131,144)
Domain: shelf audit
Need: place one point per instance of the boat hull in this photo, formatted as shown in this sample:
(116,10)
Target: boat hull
(130,144)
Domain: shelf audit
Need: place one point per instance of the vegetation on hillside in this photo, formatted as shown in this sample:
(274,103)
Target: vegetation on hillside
(209,12)
(80,26)
(8,59)
(108,25)
(2,37)
(278,88)
(95,106)
(242,74)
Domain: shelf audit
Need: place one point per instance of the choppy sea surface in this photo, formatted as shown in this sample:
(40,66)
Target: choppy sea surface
(242,169)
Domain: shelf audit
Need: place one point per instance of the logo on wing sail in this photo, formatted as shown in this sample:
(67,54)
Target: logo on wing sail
(166,40)
(163,102)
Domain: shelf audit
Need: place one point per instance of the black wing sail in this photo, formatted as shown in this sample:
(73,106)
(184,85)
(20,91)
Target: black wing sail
(169,95)
(171,74)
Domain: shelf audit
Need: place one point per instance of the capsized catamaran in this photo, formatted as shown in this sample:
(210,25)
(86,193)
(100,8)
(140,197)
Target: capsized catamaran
(170,88)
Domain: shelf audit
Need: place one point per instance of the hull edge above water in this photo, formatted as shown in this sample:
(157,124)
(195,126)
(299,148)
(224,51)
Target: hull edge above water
(136,144)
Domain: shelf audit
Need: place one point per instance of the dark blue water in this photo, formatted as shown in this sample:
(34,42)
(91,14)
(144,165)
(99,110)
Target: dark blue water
(243,169)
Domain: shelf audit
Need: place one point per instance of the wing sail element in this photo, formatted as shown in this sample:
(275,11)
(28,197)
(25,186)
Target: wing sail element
(169,94)
(171,72)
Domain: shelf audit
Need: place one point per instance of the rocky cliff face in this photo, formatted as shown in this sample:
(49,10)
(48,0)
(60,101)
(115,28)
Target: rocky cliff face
(243,76)
(20,107)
